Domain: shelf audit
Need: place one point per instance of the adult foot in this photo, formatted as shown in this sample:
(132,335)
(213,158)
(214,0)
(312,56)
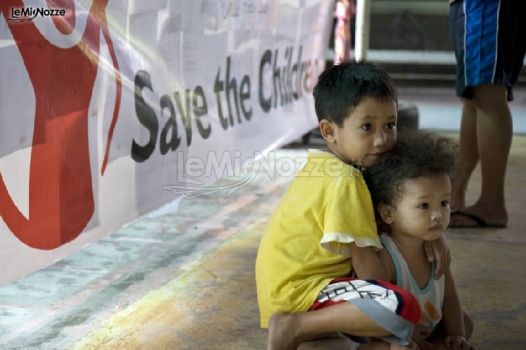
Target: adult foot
(282,332)
(477,216)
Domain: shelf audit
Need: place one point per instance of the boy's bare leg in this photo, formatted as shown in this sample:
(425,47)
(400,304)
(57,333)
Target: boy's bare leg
(380,345)
(287,331)
(494,136)
(468,155)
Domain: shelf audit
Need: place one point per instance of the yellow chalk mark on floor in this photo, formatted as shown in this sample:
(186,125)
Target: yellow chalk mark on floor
(212,305)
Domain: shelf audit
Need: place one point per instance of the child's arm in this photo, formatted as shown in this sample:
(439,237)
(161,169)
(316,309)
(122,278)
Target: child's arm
(438,251)
(452,316)
(366,263)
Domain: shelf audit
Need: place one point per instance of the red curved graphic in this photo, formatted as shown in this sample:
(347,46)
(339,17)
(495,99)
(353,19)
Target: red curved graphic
(60,186)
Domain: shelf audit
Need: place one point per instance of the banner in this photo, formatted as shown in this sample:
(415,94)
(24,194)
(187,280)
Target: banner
(110,109)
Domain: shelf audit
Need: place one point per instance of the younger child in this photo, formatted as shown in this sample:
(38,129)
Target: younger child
(411,190)
(324,227)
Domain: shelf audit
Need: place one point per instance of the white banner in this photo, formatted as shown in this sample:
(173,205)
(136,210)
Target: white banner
(110,109)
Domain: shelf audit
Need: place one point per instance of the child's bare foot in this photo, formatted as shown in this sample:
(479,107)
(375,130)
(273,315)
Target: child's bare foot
(282,332)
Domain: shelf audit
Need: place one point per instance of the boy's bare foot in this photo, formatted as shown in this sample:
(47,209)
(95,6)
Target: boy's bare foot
(283,332)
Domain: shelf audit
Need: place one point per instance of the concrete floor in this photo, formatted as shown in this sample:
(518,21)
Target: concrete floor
(185,279)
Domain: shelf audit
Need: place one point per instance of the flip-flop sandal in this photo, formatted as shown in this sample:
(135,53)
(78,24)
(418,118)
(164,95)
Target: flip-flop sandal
(479,222)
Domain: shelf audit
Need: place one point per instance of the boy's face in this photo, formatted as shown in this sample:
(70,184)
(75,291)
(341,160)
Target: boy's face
(422,209)
(367,133)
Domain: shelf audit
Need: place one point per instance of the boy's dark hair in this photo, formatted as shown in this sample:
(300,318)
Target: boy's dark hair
(414,155)
(342,87)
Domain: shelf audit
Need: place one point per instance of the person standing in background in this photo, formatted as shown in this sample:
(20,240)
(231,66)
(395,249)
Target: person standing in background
(489,41)
(345,10)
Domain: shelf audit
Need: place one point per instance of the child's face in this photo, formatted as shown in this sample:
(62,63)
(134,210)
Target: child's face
(367,133)
(422,210)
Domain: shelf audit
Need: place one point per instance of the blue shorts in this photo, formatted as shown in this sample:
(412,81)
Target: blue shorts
(489,37)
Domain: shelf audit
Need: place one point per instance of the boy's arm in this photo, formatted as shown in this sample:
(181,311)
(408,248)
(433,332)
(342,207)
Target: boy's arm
(388,265)
(366,263)
(438,251)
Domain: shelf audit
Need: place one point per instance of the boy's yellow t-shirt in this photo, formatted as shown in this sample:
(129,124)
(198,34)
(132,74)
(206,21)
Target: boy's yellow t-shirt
(305,246)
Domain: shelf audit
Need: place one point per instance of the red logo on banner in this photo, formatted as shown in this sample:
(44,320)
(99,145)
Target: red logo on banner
(60,188)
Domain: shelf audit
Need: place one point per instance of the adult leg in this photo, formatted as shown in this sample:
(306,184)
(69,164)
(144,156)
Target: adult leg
(494,135)
(495,132)
(468,155)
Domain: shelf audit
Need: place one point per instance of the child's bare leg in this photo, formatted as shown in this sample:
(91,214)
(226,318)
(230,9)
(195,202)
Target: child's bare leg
(468,325)
(287,331)
(438,342)
(380,345)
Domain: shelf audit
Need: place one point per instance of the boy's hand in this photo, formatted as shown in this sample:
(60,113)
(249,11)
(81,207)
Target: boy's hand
(438,251)
(457,342)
